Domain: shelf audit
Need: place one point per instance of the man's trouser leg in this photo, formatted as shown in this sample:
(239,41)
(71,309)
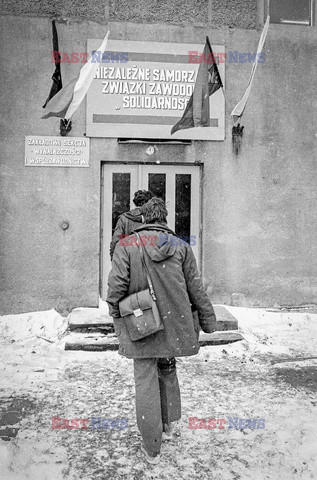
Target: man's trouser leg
(148,403)
(169,390)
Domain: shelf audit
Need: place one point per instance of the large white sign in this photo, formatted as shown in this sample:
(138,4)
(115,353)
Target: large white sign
(141,90)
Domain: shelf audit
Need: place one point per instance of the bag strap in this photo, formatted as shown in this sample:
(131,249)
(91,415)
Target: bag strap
(148,278)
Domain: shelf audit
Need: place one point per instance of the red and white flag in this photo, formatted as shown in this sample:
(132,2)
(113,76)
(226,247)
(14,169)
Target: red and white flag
(67,100)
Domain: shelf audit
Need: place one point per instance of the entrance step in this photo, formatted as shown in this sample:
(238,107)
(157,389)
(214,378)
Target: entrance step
(97,319)
(90,320)
(224,315)
(219,338)
(92,329)
(98,342)
(95,342)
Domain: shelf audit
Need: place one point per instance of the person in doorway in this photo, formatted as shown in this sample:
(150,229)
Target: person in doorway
(129,221)
(179,291)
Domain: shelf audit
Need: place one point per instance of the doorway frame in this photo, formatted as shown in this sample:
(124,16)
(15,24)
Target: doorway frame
(162,164)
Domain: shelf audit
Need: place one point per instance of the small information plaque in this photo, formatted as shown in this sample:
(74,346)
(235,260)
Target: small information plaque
(56,151)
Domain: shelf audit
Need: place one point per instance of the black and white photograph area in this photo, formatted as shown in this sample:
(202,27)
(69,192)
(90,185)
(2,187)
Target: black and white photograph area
(158,255)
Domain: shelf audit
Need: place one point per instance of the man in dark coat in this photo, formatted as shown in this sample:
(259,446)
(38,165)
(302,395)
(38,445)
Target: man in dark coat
(179,291)
(129,221)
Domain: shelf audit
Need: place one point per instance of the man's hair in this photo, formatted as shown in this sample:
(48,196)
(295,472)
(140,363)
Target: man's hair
(141,197)
(154,211)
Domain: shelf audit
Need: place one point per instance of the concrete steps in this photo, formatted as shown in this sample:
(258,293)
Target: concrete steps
(91,329)
(99,342)
(93,318)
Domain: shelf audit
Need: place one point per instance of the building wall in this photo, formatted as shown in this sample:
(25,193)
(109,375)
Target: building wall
(259,214)
(231,13)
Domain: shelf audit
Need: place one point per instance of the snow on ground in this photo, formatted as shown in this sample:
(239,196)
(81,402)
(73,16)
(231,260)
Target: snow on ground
(270,375)
(276,333)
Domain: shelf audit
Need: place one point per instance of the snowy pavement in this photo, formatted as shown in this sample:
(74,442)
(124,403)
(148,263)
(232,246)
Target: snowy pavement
(271,375)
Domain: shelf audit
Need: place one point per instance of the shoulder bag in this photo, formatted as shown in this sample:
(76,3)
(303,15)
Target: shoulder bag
(139,310)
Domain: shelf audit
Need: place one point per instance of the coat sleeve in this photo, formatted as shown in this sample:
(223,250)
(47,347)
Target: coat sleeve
(199,298)
(118,280)
(119,230)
